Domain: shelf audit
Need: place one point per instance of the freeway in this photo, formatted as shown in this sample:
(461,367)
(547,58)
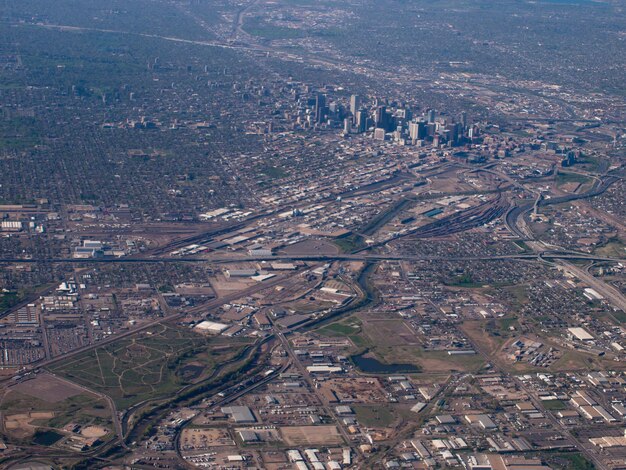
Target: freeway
(597,189)
(205,307)
(359,256)
(513,219)
(609,292)
(517,213)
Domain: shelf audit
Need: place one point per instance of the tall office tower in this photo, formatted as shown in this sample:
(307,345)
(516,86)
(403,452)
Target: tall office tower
(320,104)
(431,129)
(431,116)
(355,104)
(379,116)
(460,131)
(417,130)
(398,134)
(464,120)
(347,126)
(361,120)
(451,133)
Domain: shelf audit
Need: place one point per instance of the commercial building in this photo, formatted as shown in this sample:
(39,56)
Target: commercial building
(239,414)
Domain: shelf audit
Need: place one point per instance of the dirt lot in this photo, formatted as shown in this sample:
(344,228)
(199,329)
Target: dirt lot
(390,333)
(431,362)
(19,424)
(312,247)
(94,431)
(361,390)
(47,388)
(487,343)
(311,435)
(195,289)
(224,285)
(205,438)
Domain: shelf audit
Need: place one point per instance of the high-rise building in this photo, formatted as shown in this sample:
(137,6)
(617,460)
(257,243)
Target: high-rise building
(355,104)
(320,106)
(431,116)
(380,116)
(451,133)
(347,126)
(417,130)
(431,129)
(361,120)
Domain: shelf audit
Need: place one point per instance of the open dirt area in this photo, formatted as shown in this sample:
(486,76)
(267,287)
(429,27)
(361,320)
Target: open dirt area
(311,435)
(358,390)
(47,388)
(390,333)
(195,289)
(487,343)
(94,431)
(19,425)
(204,438)
(312,247)
(224,286)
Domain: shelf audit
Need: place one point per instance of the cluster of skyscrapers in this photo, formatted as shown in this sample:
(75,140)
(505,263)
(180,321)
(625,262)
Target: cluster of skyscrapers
(393,122)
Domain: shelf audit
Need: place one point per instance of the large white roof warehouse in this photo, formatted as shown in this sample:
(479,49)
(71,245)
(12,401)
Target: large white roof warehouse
(580,334)
(211,326)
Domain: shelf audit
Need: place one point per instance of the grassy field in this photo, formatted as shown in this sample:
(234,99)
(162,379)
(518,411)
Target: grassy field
(350,243)
(430,361)
(375,416)
(268,31)
(19,133)
(554,405)
(8,300)
(507,322)
(274,172)
(564,178)
(572,461)
(614,248)
(350,328)
(464,280)
(592,163)
(151,364)
(389,341)
(620,316)
(519,295)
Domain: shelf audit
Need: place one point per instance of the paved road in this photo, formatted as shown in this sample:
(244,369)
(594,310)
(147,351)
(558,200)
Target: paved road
(538,405)
(204,307)
(609,292)
(226,259)
(328,409)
